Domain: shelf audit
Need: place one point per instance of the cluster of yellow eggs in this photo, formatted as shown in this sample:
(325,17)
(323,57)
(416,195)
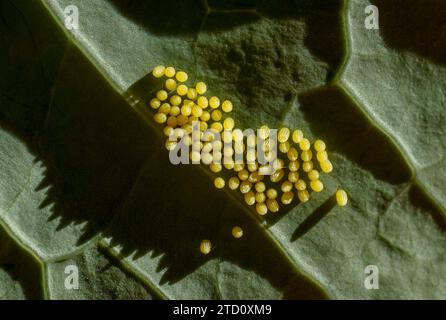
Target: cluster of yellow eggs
(293,160)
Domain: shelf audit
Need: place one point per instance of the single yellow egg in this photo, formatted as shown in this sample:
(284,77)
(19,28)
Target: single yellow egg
(216,115)
(287,197)
(162,95)
(243,175)
(197,111)
(215,167)
(261,209)
(182,76)
(175,100)
(233,183)
(160,118)
(260,187)
(228,124)
(238,166)
(175,110)
(158,71)
(182,90)
(168,131)
(286,186)
(304,144)
(307,166)
(205,116)
(263,132)
(283,135)
(319,145)
(272,205)
(155,103)
(250,198)
(227,106)
(245,187)
(326,166)
(170,84)
(271,193)
(237,232)
(284,147)
(201,87)
(313,175)
(203,102)
(306,155)
(169,72)
(292,154)
(172,121)
(237,135)
(293,176)
(192,93)
(214,102)
(293,166)
(300,185)
(341,197)
(182,120)
(260,197)
(186,110)
(297,136)
(205,247)
(277,176)
(303,195)
(217,126)
(219,183)
(317,185)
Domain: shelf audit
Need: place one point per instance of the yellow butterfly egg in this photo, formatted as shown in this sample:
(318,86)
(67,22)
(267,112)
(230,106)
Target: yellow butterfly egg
(233,183)
(260,187)
(303,195)
(197,111)
(201,87)
(307,166)
(263,132)
(245,187)
(160,118)
(170,84)
(182,90)
(162,95)
(300,185)
(175,100)
(168,131)
(228,124)
(261,209)
(283,135)
(214,102)
(216,115)
(292,154)
(227,106)
(277,176)
(326,166)
(287,197)
(205,116)
(287,186)
(217,126)
(284,147)
(297,136)
(319,145)
(317,185)
(304,144)
(272,205)
(174,111)
(182,76)
(237,232)
(219,183)
(306,155)
(313,175)
(203,102)
(172,121)
(271,193)
(293,177)
(260,197)
(243,175)
(169,72)
(215,167)
(155,103)
(341,197)
(293,166)
(192,93)
(205,247)
(158,71)
(250,198)
(182,120)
